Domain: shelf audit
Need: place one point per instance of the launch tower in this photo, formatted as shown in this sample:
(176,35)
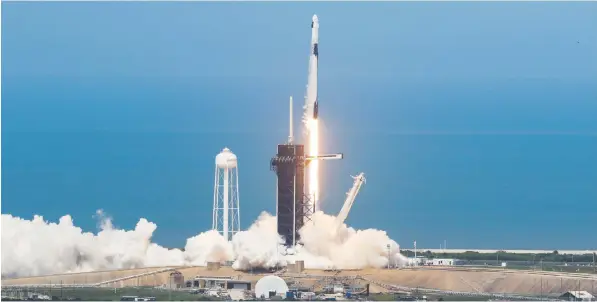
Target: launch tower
(293,209)
(289,165)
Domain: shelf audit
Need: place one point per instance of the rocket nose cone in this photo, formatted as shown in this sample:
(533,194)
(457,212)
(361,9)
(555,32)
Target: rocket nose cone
(315,19)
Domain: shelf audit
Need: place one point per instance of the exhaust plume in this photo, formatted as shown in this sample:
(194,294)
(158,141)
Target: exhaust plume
(38,247)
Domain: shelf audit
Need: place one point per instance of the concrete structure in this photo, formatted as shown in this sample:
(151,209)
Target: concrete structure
(296,267)
(213,266)
(176,280)
(226,208)
(211,282)
(299,265)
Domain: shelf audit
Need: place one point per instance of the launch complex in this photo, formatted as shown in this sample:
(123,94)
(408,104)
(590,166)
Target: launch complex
(297,165)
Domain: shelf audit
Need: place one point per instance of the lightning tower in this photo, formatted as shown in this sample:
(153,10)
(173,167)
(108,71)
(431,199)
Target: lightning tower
(226,211)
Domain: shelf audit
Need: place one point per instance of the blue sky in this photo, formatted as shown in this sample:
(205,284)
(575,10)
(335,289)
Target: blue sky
(474,122)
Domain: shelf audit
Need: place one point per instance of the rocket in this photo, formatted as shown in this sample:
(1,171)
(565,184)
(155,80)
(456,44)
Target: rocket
(311,102)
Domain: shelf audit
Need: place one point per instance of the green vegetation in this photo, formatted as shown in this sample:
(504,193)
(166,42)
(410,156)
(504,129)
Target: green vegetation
(382,297)
(554,256)
(402,297)
(108,294)
(553,261)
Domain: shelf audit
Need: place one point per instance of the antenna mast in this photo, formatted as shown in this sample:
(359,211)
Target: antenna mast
(291,135)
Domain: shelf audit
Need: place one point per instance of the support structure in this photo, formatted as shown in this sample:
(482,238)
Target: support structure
(226,208)
(351,195)
(289,165)
(293,209)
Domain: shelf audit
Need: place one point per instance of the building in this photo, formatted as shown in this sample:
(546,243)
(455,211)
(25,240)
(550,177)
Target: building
(434,262)
(296,267)
(271,287)
(412,261)
(577,295)
(213,266)
(446,262)
(238,284)
(226,287)
(175,280)
(205,282)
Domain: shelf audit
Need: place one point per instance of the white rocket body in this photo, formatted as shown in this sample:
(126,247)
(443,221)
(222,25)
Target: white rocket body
(311,104)
(311,114)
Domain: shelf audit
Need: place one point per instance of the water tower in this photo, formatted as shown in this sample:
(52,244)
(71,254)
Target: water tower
(226,212)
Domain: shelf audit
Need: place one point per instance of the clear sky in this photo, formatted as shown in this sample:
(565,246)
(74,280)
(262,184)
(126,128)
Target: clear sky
(474,122)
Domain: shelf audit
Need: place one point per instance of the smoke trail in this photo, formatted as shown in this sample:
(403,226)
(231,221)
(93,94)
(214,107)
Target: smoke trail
(38,247)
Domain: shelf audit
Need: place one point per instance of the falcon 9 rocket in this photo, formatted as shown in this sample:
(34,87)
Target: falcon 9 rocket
(310,119)
(311,106)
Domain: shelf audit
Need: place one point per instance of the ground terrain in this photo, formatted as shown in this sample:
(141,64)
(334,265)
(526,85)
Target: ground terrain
(461,279)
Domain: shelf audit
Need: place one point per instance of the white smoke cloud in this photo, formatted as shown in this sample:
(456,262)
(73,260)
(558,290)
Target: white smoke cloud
(209,246)
(259,246)
(38,247)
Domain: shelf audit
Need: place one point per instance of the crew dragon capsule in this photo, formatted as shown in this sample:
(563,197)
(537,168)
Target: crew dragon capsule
(311,102)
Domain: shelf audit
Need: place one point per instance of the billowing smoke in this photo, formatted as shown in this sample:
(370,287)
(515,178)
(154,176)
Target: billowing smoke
(38,247)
